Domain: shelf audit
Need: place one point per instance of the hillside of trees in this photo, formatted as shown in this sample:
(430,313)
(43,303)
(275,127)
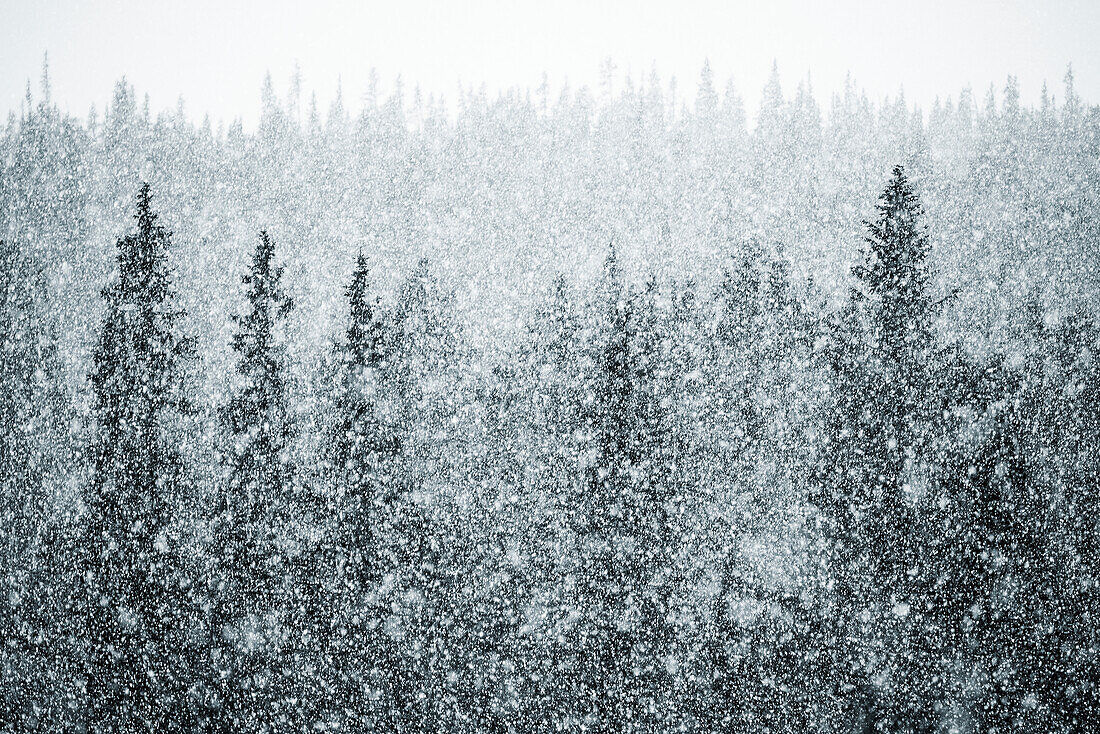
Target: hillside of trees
(584,413)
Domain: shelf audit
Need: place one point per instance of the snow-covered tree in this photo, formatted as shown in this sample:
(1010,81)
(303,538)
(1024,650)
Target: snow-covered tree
(140,647)
(791,495)
(619,635)
(255,516)
(359,450)
(877,427)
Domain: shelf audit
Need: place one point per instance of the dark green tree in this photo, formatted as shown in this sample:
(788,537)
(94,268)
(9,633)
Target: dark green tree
(1066,428)
(895,279)
(755,671)
(878,423)
(356,434)
(417,554)
(622,524)
(551,384)
(255,520)
(359,449)
(735,362)
(1000,563)
(1019,527)
(138,610)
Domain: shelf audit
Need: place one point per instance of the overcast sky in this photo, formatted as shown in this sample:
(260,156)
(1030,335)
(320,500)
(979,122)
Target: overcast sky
(215,53)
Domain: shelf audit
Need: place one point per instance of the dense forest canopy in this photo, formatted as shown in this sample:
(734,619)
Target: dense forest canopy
(583,411)
(506,193)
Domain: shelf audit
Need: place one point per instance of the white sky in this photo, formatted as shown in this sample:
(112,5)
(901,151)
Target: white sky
(216,53)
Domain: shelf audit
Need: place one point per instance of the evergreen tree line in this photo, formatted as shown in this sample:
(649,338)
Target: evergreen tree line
(507,191)
(661,508)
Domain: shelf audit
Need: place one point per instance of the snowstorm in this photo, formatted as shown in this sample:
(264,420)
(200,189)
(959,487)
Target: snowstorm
(649,406)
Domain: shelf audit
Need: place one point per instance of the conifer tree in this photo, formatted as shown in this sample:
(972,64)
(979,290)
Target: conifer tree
(1070,430)
(895,278)
(1000,522)
(878,423)
(600,652)
(552,386)
(415,387)
(357,431)
(255,517)
(621,523)
(896,421)
(138,609)
(758,674)
(735,362)
(359,449)
(1020,522)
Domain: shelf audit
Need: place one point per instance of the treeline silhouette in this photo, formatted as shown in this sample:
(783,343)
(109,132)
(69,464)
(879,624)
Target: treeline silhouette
(505,192)
(661,508)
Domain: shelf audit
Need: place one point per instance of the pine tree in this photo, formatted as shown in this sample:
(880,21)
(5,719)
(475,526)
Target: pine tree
(659,489)
(735,363)
(356,433)
(1020,519)
(1067,429)
(601,645)
(255,518)
(622,527)
(999,566)
(895,278)
(896,422)
(138,609)
(878,425)
(360,447)
(552,386)
(762,674)
(418,406)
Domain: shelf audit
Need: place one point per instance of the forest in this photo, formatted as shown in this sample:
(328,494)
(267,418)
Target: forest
(593,411)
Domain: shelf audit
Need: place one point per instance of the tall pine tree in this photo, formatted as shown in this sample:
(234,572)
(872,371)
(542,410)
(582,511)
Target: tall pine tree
(878,424)
(254,521)
(622,526)
(35,451)
(416,384)
(138,611)
(359,450)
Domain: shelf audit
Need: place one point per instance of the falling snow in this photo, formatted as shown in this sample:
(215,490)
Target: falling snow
(570,410)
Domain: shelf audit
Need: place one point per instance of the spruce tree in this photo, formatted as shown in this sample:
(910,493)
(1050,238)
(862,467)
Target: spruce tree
(1067,429)
(357,432)
(552,387)
(359,448)
(416,383)
(254,518)
(878,423)
(1001,566)
(894,276)
(138,609)
(622,527)
(1019,513)
(735,362)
